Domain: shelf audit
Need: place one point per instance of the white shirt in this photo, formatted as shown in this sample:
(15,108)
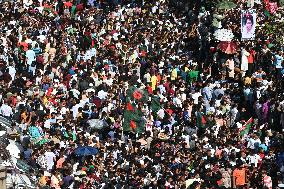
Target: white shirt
(88,55)
(162,89)
(50,156)
(62,144)
(195,97)
(6,110)
(75,110)
(147,77)
(102,94)
(154,9)
(47,124)
(251,143)
(76,93)
(253,159)
(63,110)
(177,102)
(109,81)
(161,113)
(12,72)
(30,54)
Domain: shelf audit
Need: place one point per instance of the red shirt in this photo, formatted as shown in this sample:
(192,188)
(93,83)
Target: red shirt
(24,45)
(251,57)
(172,91)
(150,90)
(167,86)
(169,111)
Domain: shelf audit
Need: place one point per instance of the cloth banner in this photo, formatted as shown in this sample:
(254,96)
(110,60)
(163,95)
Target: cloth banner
(248,23)
(272,7)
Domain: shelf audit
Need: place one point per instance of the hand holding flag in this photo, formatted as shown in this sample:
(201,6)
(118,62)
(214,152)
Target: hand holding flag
(246,127)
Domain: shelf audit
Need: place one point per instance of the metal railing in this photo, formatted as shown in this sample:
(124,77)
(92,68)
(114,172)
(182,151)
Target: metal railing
(4,142)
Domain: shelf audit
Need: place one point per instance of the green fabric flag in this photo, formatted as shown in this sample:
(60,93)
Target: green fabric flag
(246,127)
(155,104)
(133,116)
(73,11)
(47,10)
(74,138)
(200,120)
(88,40)
(270,45)
(137,95)
(133,121)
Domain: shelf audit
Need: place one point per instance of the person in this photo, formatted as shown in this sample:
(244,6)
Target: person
(123,95)
(244,61)
(278,62)
(239,177)
(50,158)
(267,182)
(251,59)
(231,68)
(6,110)
(31,57)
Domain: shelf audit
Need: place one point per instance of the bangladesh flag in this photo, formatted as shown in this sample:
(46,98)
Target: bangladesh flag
(133,116)
(133,119)
(246,127)
(137,95)
(201,120)
(155,104)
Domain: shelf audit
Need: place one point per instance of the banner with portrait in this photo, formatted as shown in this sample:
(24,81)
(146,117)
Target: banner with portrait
(248,23)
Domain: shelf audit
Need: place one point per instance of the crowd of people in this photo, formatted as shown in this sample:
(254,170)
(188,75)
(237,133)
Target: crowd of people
(220,119)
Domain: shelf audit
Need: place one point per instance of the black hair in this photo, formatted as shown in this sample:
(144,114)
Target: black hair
(246,18)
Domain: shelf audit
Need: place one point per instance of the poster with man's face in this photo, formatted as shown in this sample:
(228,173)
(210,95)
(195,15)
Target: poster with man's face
(248,22)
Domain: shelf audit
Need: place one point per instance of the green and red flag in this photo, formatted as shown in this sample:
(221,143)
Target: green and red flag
(133,124)
(133,117)
(133,120)
(129,107)
(201,120)
(246,127)
(155,103)
(137,95)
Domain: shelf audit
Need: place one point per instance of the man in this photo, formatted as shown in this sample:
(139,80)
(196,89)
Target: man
(258,75)
(6,110)
(31,56)
(207,92)
(278,60)
(239,176)
(267,181)
(12,71)
(50,158)
(251,58)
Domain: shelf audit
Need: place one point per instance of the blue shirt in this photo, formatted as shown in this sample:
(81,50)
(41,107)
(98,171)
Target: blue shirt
(264,147)
(45,87)
(207,93)
(71,71)
(27,154)
(278,61)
